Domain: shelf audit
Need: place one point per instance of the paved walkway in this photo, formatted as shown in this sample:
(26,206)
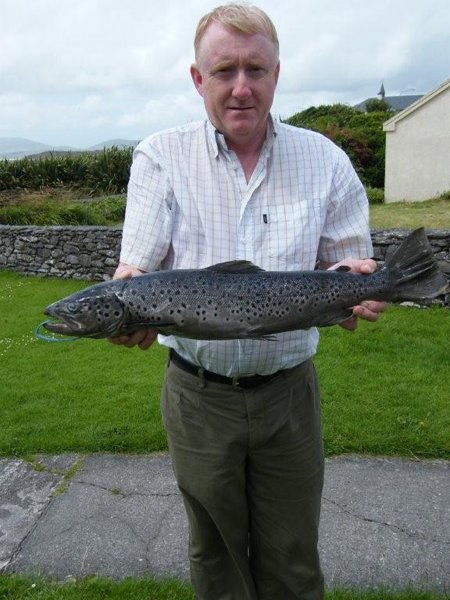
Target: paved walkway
(386,522)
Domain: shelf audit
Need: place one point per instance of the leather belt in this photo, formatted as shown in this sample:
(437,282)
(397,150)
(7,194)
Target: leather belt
(245,383)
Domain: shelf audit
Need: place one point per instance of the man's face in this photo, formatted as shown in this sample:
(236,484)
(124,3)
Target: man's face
(236,75)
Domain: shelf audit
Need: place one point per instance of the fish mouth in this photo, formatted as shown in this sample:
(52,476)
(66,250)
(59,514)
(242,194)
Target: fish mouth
(60,324)
(64,324)
(61,327)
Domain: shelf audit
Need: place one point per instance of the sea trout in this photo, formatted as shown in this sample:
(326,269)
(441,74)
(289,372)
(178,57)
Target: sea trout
(239,300)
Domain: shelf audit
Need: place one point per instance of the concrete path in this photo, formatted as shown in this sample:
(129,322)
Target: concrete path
(385,522)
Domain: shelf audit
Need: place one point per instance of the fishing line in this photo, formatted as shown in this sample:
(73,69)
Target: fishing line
(45,337)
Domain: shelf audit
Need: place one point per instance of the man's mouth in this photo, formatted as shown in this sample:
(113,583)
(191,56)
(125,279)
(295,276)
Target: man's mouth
(240,108)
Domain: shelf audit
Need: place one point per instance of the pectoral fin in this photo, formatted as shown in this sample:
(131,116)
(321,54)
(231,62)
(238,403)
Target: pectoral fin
(333,318)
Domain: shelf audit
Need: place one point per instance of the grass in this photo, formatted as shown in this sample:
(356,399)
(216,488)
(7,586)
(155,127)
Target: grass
(83,396)
(431,214)
(105,211)
(28,588)
(384,387)
(65,206)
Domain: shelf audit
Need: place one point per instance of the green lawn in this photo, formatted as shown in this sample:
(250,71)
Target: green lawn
(431,214)
(82,396)
(385,387)
(22,588)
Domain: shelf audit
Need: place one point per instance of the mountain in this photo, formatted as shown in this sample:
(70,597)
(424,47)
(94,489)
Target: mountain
(13,148)
(19,147)
(120,143)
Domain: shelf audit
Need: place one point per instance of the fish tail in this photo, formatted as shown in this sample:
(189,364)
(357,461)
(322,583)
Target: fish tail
(413,270)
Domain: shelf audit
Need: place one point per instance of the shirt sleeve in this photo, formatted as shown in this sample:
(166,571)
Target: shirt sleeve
(346,231)
(147,229)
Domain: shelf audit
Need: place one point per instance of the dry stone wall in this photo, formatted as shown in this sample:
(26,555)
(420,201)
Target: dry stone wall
(69,252)
(93,252)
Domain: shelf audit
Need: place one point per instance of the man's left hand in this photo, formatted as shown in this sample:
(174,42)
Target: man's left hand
(369,309)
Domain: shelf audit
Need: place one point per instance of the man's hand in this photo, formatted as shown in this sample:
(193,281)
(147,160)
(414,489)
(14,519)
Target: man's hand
(369,309)
(143,338)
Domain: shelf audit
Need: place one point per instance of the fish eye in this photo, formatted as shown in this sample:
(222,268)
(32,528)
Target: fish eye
(72,307)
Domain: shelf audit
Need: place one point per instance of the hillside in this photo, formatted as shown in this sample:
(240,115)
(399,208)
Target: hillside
(15,148)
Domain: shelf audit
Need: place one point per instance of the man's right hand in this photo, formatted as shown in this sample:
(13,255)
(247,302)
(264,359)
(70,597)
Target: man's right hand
(143,338)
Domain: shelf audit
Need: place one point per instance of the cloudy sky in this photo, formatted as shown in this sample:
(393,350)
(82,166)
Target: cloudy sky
(81,72)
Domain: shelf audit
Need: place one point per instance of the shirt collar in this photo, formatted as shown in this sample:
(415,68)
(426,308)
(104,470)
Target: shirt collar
(219,144)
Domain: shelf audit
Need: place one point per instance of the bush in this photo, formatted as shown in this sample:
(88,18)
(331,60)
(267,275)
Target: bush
(375,195)
(104,172)
(359,134)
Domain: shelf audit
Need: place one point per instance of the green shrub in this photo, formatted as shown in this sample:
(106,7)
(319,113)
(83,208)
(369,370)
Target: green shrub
(358,133)
(104,172)
(375,195)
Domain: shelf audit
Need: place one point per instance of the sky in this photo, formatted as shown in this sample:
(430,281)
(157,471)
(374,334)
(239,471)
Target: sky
(76,73)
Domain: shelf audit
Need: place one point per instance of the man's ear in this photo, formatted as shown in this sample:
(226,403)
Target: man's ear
(277,72)
(197,79)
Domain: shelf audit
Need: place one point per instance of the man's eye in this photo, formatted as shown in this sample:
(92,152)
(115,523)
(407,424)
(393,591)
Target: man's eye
(255,71)
(223,72)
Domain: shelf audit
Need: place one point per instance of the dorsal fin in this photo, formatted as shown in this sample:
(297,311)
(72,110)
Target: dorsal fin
(235,266)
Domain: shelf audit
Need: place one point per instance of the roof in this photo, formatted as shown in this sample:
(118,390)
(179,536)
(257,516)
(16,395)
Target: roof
(395,102)
(390,124)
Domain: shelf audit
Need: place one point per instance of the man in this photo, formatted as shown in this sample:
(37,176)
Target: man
(243,416)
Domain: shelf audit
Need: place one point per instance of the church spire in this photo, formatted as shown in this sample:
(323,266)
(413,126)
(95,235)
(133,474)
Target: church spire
(381,93)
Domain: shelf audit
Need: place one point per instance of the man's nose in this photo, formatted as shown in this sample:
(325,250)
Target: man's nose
(241,88)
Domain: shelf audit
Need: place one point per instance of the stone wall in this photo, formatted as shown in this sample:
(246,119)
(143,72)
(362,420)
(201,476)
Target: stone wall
(93,252)
(385,242)
(70,252)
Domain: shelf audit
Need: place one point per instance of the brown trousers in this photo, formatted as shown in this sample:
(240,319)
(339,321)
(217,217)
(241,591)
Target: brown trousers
(249,464)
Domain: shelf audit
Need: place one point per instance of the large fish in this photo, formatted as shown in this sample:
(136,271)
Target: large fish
(239,300)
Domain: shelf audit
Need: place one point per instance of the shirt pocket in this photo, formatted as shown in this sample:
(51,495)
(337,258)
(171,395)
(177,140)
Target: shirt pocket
(286,240)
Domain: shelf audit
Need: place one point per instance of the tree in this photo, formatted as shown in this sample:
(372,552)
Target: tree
(359,134)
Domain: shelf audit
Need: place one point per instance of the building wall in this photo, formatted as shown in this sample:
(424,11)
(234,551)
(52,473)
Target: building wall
(418,152)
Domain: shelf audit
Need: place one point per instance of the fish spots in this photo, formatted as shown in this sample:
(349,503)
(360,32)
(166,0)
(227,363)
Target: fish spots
(201,313)
(228,304)
(103,310)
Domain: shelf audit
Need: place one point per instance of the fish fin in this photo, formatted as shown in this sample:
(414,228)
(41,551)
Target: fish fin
(335,317)
(235,266)
(267,337)
(413,270)
(129,328)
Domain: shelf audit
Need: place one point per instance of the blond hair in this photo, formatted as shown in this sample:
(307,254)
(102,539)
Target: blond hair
(245,18)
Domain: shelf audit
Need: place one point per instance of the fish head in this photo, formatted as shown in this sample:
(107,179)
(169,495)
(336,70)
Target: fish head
(86,314)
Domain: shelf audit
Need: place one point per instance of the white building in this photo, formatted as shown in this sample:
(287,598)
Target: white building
(418,148)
